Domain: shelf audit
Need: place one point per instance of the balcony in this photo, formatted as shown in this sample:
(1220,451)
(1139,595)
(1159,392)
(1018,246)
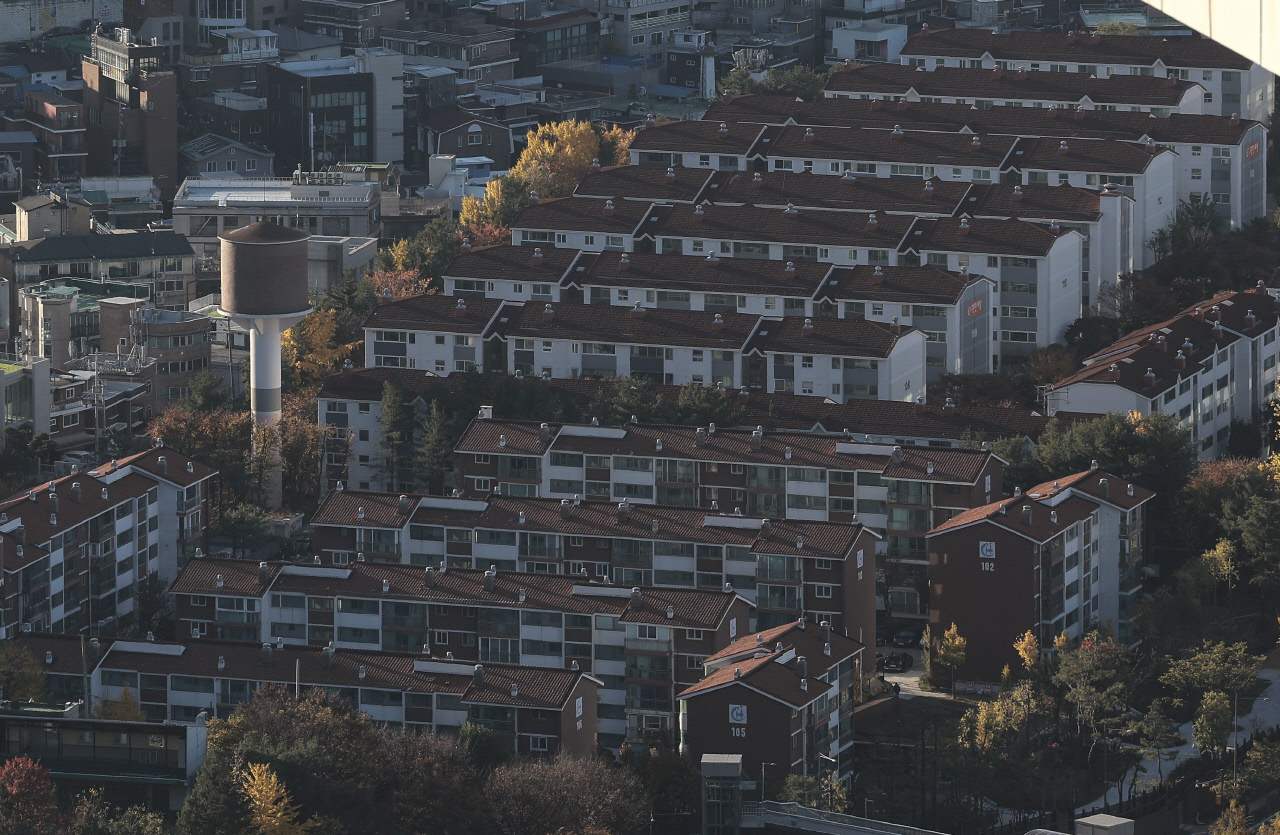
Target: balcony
(646,645)
(773,573)
(638,703)
(648,674)
(501,727)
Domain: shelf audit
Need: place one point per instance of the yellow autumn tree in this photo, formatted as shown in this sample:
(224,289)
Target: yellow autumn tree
(123,709)
(310,348)
(271,810)
(615,145)
(503,198)
(556,158)
(1028,648)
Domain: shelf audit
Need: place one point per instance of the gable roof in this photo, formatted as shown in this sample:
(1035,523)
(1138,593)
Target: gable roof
(455,314)
(644,182)
(1143,50)
(636,326)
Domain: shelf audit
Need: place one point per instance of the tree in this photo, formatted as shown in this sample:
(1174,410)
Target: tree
(22,676)
(799,81)
(206,392)
(271,810)
(245,524)
(301,443)
(556,157)
(1092,676)
(395,420)
(615,145)
(215,805)
(1194,225)
(351,299)
(1028,649)
(1215,666)
(1090,334)
(1245,440)
(1212,728)
(435,448)
(1051,364)
(310,350)
(1232,822)
(1118,27)
(26,798)
(503,199)
(123,709)
(1253,521)
(401,283)
(703,405)
(1014,390)
(535,797)
(951,653)
(427,252)
(1158,735)
(1222,564)
(485,747)
(151,605)
(91,815)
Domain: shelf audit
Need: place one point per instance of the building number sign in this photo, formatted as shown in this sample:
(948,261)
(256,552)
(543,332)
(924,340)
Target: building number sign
(987,555)
(737,716)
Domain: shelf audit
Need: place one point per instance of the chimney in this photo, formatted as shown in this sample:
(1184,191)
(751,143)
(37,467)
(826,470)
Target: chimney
(724,128)
(894,327)
(1250,320)
(1235,119)
(976,143)
(53,502)
(757,439)
(466,246)
(490,579)
(757,181)
(1026,515)
(637,599)
(791,210)
(895,456)
(807,328)
(949,408)
(1128,489)
(544,434)
(964,226)
(1149,378)
(802,667)
(386,586)
(218,581)
(671,611)
(789,271)
(624,512)
(897,133)
(1218,332)
(928,189)
(430,578)
(636,311)
(266,654)
(871,219)
(264,573)
(1162,344)
(1180,361)
(671,175)
(826,631)
(700,437)
(361,672)
(737,673)
(548,312)
(1063,147)
(1104,488)
(624,263)
(460,309)
(608,207)
(766,529)
(162,463)
(533,198)
(536,260)
(502,441)
(75,486)
(403,506)
(477,675)
(326,656)
(1017,194)
(1199,314)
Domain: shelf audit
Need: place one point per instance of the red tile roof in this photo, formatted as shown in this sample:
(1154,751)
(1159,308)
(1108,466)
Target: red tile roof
(1107,156)
(454,314)
(696,137)
(966,83)
(907,147)
(584,214)
(823,191)
(367,383)
(696,273)
(804,226)
(1119,491)
(982,235)
(239,577)
(180,469)
(1043,526)
(1142,50)
(919,285)
(805,640)
(645,182)
(765,674)
(509,262)
(364,509)
(827,336)
(1032,202)
(616,324)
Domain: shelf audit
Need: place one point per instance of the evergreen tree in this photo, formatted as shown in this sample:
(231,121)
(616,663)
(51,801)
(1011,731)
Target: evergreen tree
(396,422)
(434,452)
(215,806)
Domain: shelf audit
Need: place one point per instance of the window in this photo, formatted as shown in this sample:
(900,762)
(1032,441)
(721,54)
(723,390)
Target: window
(538,744)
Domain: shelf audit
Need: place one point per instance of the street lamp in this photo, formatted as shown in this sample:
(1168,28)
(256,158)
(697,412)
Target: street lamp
(831,760)
(762,765)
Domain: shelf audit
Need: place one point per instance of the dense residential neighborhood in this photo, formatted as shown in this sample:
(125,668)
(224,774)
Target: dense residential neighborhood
(507,417)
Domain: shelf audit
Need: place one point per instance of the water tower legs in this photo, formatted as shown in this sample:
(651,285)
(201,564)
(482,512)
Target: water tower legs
(265,395)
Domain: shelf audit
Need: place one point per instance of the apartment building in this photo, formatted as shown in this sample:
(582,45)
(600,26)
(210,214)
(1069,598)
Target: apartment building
(641,644)
(581,223)
(90,399)
(722,146)
(210,154)
(878,153)
(782,697)
(132,106)
(179,341)
(75,549)
(437,333)
(898,492)
(1203,144)
(59,126)
(532,711)
(337,110)
(204,208)
(350,404)
(1213,363)
(476,51)
(1063,558)
(354,23)
(511,273)
(1017,88)
(1233,84)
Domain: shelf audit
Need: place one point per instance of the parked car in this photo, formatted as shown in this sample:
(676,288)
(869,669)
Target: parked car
(880,660)
(909,637)
(898,662)
(883,633)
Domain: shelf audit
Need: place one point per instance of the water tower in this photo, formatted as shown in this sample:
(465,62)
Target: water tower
(264,289)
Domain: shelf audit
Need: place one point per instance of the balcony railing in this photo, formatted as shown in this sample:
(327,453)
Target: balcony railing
(785,575)
(637,703)
(646,645)
(648,674)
